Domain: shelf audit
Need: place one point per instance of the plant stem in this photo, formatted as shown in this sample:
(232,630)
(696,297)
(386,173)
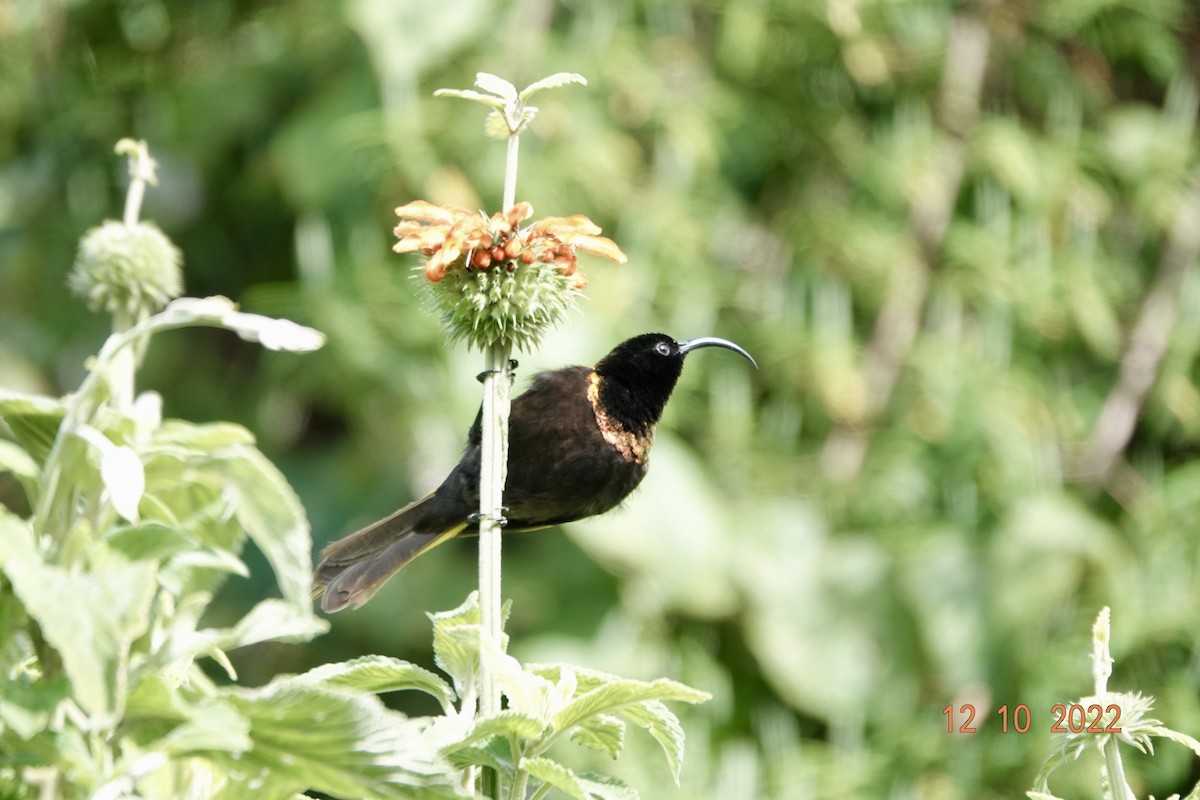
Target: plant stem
(510,172)
(493,470)
(492,474)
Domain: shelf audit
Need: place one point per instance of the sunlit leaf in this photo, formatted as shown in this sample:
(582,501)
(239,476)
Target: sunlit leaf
(555,774)
(613,697)
(552,82)
(335,741)
(380,674)
(602,732)
(658,720)
(496,85)
(91,619)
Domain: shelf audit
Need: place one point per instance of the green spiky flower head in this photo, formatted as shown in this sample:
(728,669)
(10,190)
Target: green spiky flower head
(131,270)
(494,282)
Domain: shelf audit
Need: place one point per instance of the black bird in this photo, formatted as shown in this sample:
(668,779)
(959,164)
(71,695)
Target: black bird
(578,442)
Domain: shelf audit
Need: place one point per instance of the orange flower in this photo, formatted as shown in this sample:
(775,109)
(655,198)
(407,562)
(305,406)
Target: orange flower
(453,237)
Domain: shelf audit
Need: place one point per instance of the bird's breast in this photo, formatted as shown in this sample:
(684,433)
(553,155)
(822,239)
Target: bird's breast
(634,447)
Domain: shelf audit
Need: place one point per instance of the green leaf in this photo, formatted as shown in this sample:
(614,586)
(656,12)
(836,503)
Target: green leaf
(614,696)
(33,421)
(495,755)
(16,460)
(496,85)
(601,732)
(215,726)
(148,541)
(549,771)
(506,723)
(91,619)
(456,640)
(274,519)
(272,620)
(552,82)
(603,787)
(335,741)
(204,438)
(378,674)
(468,94)
(658,720)
(27,704)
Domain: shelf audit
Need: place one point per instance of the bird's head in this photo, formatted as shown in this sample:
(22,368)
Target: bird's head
(638,376)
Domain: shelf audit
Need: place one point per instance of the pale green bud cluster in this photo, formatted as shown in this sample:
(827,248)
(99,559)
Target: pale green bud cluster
(127,269)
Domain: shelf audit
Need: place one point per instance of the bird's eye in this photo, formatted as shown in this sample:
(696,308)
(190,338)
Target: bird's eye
(663,349)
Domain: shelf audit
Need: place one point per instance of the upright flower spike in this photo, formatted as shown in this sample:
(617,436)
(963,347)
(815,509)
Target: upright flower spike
(493,281)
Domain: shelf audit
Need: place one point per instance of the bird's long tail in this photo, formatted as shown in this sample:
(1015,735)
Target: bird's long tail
(352,569)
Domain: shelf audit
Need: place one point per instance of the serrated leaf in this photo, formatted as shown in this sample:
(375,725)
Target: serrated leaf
(91,619)
(1176,736)
(377,674)
(549,771)
(552,82)
(335,741)
(456,652)
(603,787)
(613,696)
(658,720)
(496,125)
(496,85)
(272,516)
(603,732)
(506,723)
(489,756)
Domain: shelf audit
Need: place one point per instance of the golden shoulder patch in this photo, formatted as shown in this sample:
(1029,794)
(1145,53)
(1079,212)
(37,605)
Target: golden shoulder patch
(632,447)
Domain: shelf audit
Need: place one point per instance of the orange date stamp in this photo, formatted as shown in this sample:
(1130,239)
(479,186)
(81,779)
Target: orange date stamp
(1068,718)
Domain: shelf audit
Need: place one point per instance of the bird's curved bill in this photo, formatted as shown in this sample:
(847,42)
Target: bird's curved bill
(713,341)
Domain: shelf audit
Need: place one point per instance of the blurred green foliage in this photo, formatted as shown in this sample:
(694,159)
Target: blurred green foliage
(960,238)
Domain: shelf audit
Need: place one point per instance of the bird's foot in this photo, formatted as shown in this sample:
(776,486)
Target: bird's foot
(512,370)
(499,519)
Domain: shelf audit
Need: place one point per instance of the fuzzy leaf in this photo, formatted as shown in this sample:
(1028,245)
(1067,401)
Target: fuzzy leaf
(272,620)
(506,723)
(603,787)
(496,85)
(603,732)
(551,772)
(615,696)
(658,720)
(335,741)
(468,94)
(91,619)
(552,82)
(274,519)
(377,674)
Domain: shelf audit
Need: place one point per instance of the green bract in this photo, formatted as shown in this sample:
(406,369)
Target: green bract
(494,306)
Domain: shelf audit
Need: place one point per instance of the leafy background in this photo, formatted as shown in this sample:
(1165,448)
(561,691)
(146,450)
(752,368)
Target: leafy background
(961,240)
